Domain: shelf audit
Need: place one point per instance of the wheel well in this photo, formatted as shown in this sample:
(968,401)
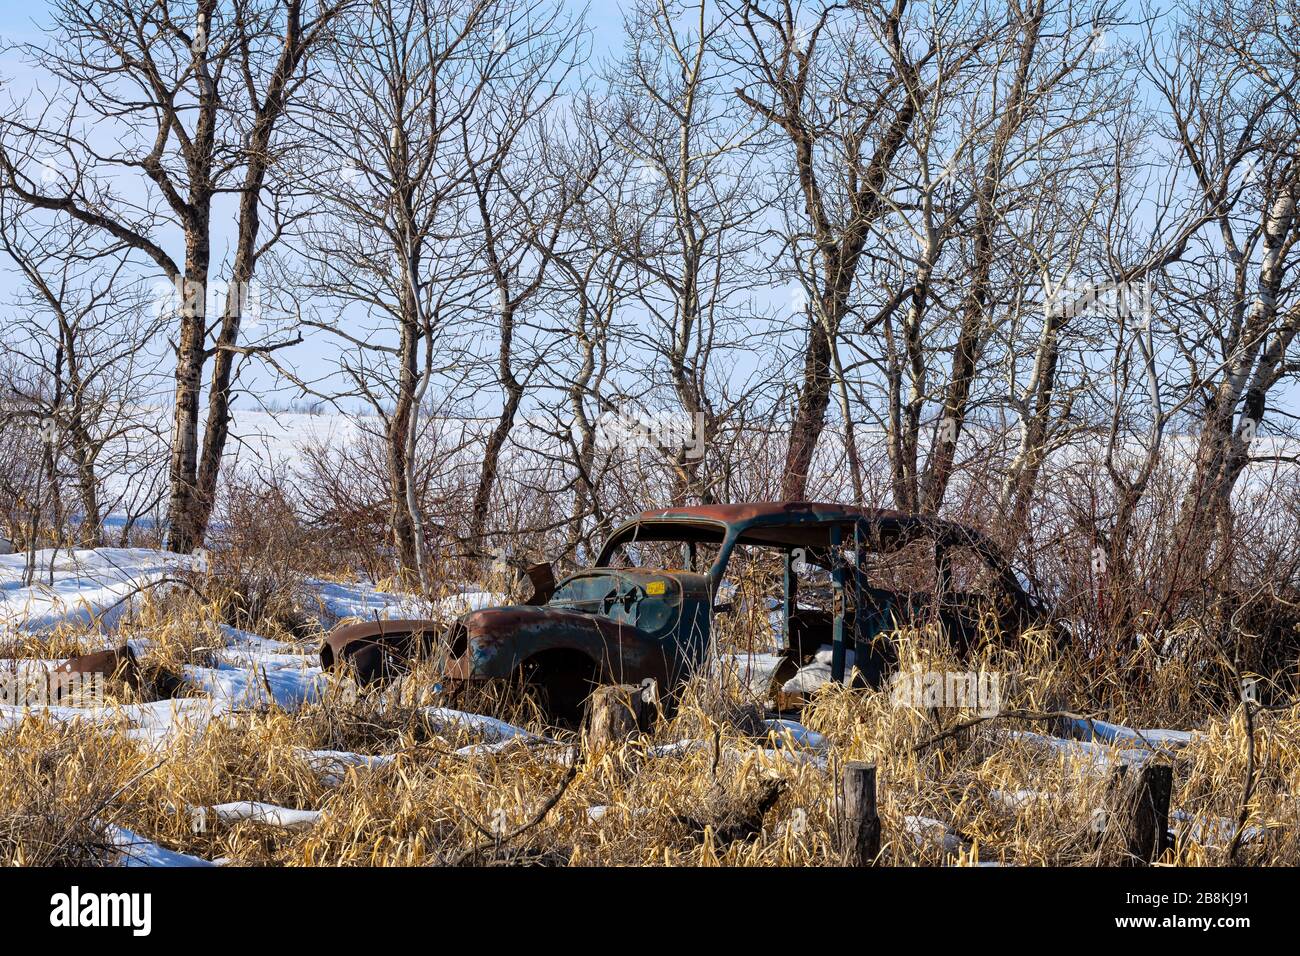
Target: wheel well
(566,677)
(559,661)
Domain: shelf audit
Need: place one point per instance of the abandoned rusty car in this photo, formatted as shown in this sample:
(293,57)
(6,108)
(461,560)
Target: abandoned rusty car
(847,578)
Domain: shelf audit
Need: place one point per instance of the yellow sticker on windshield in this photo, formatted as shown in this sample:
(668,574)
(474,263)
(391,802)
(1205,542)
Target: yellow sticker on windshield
(655,587)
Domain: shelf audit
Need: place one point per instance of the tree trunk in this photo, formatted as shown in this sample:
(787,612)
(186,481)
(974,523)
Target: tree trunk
(840,248)
(1022,476)
(400,468)
(514,393)
(218,423)
(491,462)
(184,533)
(92,521)
(1223,449)
(810,414)
(943,451)
(219,390)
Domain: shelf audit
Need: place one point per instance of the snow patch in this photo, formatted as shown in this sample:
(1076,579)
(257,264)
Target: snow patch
(336,761)
(89,586)
(135,850)
(818,673)
(753,672)
(451,721)
(264,683)
(1094,754)
(792,733)
(1090,730)
(266,813)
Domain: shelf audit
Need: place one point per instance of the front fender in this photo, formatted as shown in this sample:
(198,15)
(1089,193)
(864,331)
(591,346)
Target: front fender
(495,642)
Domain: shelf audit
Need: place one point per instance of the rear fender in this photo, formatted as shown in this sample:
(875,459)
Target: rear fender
(376,648)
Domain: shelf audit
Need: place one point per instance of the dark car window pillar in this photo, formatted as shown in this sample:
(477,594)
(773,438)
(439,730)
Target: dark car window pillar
(720,565)
(789,586)
(837,584)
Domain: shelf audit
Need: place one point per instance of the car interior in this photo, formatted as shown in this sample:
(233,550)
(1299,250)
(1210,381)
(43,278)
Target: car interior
(902,577)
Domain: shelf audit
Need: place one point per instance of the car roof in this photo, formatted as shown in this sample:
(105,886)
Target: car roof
(789,523)
(769,512)
(803,524)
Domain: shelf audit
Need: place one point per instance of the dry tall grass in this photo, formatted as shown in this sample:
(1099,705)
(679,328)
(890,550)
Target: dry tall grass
(979,794)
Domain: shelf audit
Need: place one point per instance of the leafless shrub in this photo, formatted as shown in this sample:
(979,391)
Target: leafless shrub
(261,553)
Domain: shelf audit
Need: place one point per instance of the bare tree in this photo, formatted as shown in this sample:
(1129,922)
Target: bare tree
(844,88)
(1229,81)
(84,333)
(689,144)
(182,101)
(521,210)
(418,120)
(592,290)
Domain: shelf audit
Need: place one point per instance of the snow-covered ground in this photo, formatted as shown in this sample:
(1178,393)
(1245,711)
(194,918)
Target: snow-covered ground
(85,587)
(93,589)
(336,602)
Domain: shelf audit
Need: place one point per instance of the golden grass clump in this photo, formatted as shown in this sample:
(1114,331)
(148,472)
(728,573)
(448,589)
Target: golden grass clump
(955,788)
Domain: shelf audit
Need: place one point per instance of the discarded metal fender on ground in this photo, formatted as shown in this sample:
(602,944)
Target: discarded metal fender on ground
(121,664)
(116,663)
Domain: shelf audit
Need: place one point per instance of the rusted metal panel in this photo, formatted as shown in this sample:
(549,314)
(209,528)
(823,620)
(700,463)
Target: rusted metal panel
(542,577)
(115,663)
(376,648)
(501,640)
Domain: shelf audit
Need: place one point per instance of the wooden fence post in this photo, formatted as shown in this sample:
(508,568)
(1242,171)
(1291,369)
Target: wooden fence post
(860,830)
(1146,824)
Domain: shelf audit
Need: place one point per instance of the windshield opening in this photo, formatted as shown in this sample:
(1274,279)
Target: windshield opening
(694,556)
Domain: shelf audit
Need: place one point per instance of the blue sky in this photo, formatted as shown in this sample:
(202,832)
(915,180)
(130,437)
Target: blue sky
(313,358)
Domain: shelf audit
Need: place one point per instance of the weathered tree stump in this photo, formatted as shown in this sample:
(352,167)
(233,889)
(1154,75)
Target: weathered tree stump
(1146,817)
(860,828)
(616,712)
